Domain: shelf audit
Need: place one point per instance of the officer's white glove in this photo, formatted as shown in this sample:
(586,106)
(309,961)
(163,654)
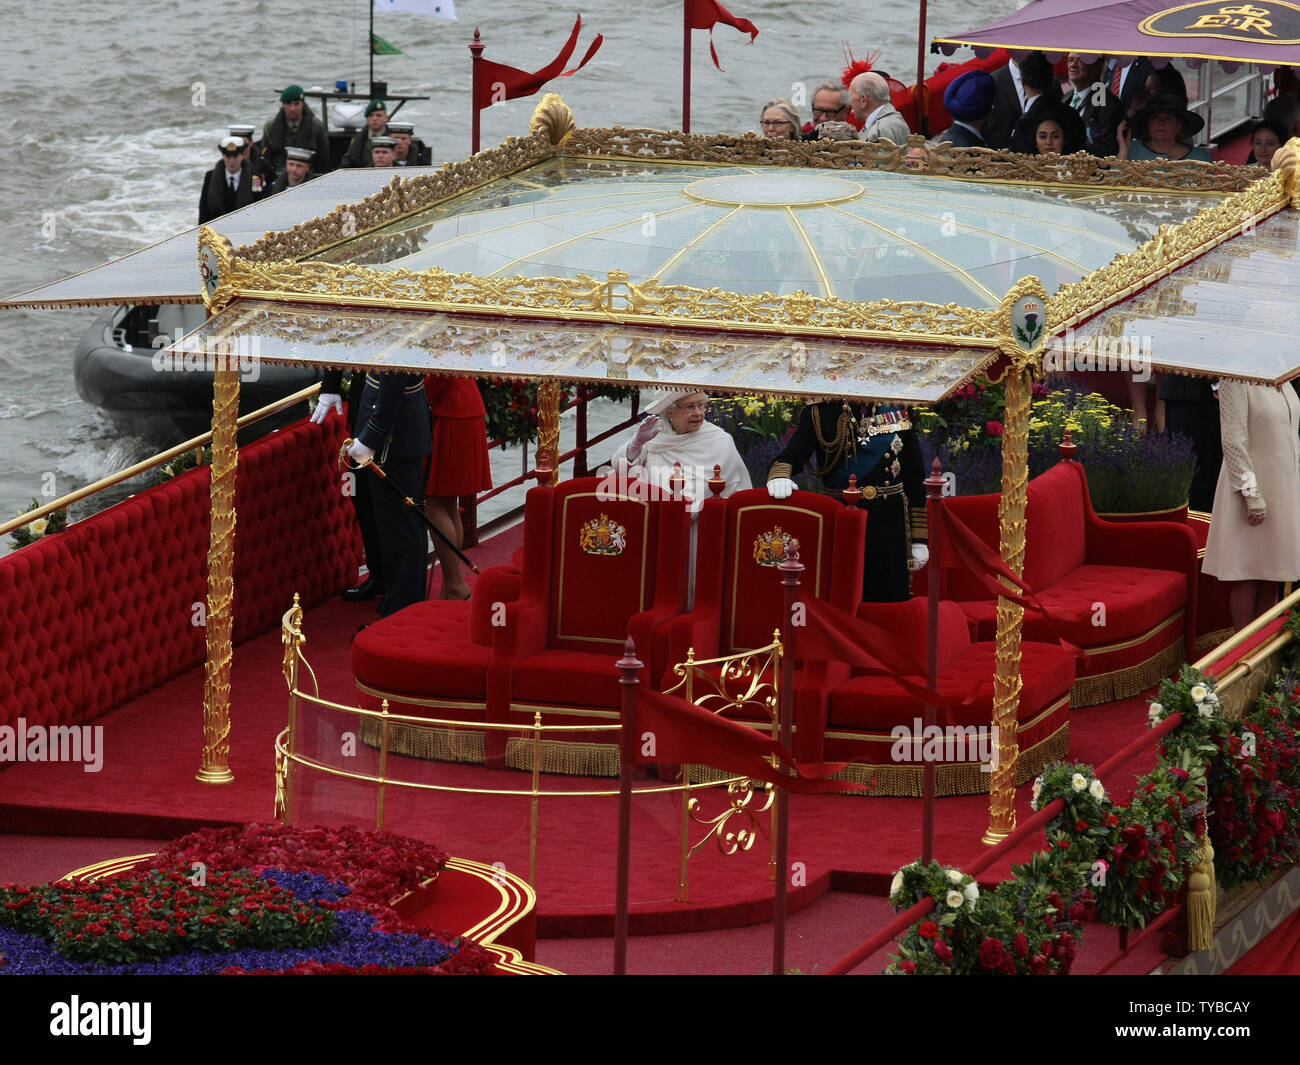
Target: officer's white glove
(781,487)
(323,404)
(645,432)
(360,454)
(920,555)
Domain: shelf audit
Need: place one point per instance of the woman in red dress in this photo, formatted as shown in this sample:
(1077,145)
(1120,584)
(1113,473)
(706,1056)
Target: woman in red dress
(460,467)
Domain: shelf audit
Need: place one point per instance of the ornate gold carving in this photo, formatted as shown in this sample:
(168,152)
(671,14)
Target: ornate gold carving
(292,637)
(402,197)
(554,118)
(1171,248)
(740,794)
(940,160)
(1022,324)
(1285,161)
(216,270)
(215,768)
(548,432)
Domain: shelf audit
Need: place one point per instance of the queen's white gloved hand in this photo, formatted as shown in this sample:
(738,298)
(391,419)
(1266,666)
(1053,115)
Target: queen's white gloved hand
(645,432)
(360,454)
(920,555)
(324,402)
(781,487)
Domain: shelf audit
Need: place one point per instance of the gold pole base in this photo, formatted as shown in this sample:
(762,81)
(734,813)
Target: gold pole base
(215,776)
(993,836)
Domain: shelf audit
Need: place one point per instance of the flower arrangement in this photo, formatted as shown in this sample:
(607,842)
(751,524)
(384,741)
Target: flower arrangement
(57,521)
(761,426)
(256,899)
(187,460)
(512,406)
(1128,471)
(1123,863)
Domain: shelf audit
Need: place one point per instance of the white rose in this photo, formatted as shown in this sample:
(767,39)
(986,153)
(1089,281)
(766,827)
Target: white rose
(1078,782)
(972,893)
(955,899)
(1096,790)
(1038,790)
(39,526)
(1205,709)
(1156,712)
(1198,693)
(1212,699)
(897,885)
(954,875)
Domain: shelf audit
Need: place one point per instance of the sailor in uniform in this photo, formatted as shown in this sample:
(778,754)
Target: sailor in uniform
(297,169)
(393,428)
(228,186)
(409,150)
(263,171)
(877,444)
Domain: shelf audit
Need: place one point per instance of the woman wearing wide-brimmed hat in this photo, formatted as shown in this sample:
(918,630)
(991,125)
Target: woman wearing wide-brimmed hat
(1162,130)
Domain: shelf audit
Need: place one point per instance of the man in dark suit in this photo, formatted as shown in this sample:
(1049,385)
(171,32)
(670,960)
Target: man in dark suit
(1042,94)
(1098,107)
(228,185)
(394,429)
(968,99)
(1126,82)
(877,444)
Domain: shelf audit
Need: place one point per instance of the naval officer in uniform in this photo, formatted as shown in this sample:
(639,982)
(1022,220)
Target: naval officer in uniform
(877,443)
(393,428)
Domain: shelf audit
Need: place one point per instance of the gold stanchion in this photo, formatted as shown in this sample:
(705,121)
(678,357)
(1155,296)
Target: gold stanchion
(683,892)
(1023,321)
(293,639)
(548,433)
(383,763)
(536,798)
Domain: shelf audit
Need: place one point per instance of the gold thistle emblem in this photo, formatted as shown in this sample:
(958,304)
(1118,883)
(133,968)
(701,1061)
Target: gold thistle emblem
(600,536)
(770,548)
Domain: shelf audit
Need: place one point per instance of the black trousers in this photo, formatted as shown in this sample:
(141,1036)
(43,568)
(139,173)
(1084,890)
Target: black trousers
(885,576)
(1199,419)
(402,536)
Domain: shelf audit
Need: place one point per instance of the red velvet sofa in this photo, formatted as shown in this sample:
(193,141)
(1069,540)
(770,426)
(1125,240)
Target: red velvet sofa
(1124,593)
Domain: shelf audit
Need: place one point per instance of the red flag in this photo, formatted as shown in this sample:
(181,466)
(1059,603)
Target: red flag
(685,733)
(494,82)
(705,14)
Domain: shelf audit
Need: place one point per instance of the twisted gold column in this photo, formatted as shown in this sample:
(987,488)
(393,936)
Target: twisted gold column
(221,579)
(1006,680)
(548,433)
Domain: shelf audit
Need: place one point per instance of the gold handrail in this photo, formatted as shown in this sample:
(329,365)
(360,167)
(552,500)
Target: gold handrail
(160,459)
(1235,641)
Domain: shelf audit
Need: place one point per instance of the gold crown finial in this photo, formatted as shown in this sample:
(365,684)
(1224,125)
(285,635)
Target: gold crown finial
(553,117)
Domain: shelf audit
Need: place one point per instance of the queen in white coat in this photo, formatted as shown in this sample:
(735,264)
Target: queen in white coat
(676,430)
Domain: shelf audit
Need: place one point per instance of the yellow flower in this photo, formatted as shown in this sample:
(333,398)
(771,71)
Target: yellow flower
(965,445)
(38,527)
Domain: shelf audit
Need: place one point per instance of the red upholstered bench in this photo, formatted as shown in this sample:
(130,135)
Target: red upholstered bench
(1125,593)
(866,710)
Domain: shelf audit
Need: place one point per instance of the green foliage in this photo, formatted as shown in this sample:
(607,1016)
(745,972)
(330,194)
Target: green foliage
(54,522)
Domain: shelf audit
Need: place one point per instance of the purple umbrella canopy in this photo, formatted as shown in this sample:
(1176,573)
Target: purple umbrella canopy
(1267,34)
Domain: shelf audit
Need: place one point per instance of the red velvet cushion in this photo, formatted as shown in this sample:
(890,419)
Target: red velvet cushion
(1135,600)
(593,594)
(568,678)
(907,622)
(1055,543)
(423,650)
(982,618)
(980,514)
(43,670)
(876,703)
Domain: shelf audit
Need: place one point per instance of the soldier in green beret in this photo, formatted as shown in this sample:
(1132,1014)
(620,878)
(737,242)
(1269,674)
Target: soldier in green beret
(295,125)
(358,153)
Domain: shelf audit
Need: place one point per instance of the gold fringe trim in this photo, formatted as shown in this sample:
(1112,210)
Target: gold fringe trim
(1211,640)
(1132,680)
(425,741)
(908,781)
(566,757)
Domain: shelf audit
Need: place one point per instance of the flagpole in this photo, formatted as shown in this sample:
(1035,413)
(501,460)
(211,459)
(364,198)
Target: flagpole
(919,96)
(370,47)
(475,50)
(686,66)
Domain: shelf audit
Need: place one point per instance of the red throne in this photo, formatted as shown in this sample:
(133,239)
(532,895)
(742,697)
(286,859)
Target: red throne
(738,590)
(1123,592)
(597,568)
(865,710)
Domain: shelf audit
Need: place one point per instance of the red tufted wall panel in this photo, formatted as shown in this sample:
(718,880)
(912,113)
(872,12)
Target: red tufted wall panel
(98,614)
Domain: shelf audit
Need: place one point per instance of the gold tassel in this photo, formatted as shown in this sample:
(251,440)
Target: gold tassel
(1129,681)
(1201,899)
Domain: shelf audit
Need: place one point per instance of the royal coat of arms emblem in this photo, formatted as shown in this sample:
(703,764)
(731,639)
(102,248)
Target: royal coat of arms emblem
(600,536)
(771,547)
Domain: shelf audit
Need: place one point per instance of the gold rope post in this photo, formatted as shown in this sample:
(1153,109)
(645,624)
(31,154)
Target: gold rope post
(293,639)
(548,433)
(216,259)
(1023,325)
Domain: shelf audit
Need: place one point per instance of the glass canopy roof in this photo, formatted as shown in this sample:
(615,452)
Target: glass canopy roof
(855,234)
